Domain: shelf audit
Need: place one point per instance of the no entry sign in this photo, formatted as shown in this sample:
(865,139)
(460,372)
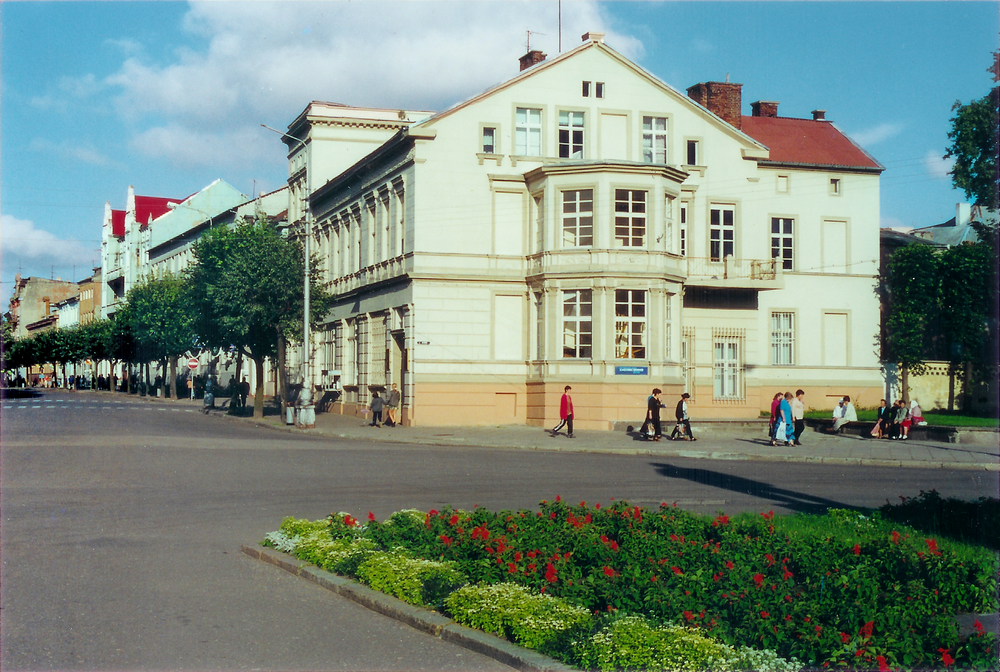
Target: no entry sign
(193,363)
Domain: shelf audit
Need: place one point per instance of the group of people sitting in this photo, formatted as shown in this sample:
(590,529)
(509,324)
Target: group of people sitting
(894,421)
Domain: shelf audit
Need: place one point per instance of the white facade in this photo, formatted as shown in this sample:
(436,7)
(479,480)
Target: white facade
(584,223)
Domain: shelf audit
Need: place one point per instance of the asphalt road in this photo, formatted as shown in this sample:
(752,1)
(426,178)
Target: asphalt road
(122,524)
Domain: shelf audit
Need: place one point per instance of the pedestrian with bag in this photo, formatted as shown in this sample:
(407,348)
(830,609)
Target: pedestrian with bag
(565,414)
(651,428)
(683,420)
(376,409)
(391,404)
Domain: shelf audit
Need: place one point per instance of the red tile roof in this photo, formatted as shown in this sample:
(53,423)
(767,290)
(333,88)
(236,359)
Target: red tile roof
(118,223)
(807,142)
(151,207)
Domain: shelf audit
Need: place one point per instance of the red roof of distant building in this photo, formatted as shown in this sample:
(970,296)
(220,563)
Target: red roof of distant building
(151,207)
(807,142)
(118,223)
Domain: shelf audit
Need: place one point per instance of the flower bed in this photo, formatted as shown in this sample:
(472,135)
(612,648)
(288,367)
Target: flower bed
(624,587)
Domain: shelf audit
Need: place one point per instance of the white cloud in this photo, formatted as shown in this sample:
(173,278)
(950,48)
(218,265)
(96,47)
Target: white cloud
(936,166)
(265,61)
(85,153)
(185,147)
(22,240)
(873,136)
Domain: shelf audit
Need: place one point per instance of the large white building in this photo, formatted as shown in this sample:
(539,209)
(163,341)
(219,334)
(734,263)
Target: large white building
(584,223)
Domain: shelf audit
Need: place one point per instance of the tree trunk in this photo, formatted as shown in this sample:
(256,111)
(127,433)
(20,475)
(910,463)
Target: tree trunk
(282,382)
(951,388)
(904,384)
(967,389)
(174,394)
(258,397)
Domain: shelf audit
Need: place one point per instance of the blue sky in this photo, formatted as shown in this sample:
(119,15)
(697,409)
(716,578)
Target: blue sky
(170,96)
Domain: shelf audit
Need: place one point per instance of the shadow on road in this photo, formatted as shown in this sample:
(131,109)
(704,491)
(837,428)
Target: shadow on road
(789,499)
(19,393)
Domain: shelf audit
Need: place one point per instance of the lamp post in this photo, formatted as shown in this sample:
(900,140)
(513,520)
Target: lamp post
(307,412)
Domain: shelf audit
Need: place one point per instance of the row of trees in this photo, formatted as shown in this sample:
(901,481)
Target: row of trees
(244,292)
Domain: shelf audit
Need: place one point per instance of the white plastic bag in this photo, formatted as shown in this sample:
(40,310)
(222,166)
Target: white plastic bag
(779,434)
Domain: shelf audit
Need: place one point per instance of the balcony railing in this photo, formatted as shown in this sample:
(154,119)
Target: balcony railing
(731,268)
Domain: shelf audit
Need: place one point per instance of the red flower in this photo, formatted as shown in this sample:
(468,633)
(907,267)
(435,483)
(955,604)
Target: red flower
(532,554)
(583,504)
(550,573)
(531,568)
(866,629)
(932,546)
(453,520)
(688,615)
(587,519)
(720,520)
(445,540)
(597,506)
(895,537)
(608,571)
(716,577)
(432,512)
(856,550)
(558,498)
(769,558)
(677,571)
(844,637)
(517,556)
(350,520)
(371,516)
(979,627)
(882,666)
(552,516)
(729,564)
(764,614)
(787,575)
(758,579)
(819,629)
(768,516)
(511,568)
(946,658)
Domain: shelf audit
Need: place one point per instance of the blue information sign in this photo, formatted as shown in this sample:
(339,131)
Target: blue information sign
(631,370)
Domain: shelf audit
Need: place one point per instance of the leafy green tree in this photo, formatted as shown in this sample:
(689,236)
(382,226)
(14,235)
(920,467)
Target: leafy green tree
(912,284)
(974,131)
(160,323)
(967,291)
(247,290)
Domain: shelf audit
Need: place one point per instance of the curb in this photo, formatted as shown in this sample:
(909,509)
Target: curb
(424,620)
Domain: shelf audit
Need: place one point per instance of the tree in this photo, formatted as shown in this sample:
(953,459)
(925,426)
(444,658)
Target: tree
(161,323)
(974,131)
(967,292)
(247,290)
(912,284)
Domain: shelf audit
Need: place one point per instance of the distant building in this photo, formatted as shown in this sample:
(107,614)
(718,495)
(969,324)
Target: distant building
(585,223)
(32,305)
(958,229)
(90,297)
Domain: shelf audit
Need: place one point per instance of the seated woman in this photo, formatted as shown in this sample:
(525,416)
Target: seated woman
(916,415)
(881,421)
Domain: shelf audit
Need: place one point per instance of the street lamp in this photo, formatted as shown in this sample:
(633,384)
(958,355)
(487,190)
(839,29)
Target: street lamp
(307,412)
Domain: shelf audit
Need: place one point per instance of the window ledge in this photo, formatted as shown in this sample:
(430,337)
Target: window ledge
(695,169)
(482,156)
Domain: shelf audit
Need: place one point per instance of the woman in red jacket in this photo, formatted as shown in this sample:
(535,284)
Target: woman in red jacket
(565,413)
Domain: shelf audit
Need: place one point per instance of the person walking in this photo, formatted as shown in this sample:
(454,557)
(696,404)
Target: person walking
(651,427)
(391,404)
(784,432)
(772,426)
(244,392)
(376,409)
(565,414)
(683,419)
(799,415)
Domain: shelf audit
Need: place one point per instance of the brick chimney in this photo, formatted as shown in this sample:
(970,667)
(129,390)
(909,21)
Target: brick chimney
(720,98)
(819,115)
(764,108)
(530,58)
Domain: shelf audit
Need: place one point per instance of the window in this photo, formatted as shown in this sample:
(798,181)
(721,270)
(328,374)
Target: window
(489,140)
(781,241)
(600,89)
(722,232)
(684,229)
(835,186)
(727,379)
(578,218)
(667,324)
(528,132)
(782,338)
(630,324)
(692,152)
(654,139)
(668,223)
(586,89)
(578,325)
(630,218)
(570,135)
(782,184)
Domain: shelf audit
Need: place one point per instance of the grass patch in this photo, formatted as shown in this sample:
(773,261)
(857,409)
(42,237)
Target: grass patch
(932,418)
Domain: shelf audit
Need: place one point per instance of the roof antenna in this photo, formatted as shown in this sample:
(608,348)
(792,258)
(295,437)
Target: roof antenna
(527,39)
(727,78)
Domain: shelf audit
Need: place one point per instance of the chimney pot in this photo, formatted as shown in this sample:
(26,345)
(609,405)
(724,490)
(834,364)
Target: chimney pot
(819,115)
(765,108)
(593,36)
(531,58)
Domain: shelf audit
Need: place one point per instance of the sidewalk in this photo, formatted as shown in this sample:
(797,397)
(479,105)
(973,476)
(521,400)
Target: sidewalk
(978,450)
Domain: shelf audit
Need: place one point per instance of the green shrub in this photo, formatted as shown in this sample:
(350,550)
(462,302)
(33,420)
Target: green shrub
(533,620)
(296,527)
(975,522)
(633,643)
(424,583)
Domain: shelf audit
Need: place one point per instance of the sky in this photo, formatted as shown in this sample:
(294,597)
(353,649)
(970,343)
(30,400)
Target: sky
(169,96)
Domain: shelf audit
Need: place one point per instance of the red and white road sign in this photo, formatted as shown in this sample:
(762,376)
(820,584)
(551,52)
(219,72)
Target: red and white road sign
(193,363)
